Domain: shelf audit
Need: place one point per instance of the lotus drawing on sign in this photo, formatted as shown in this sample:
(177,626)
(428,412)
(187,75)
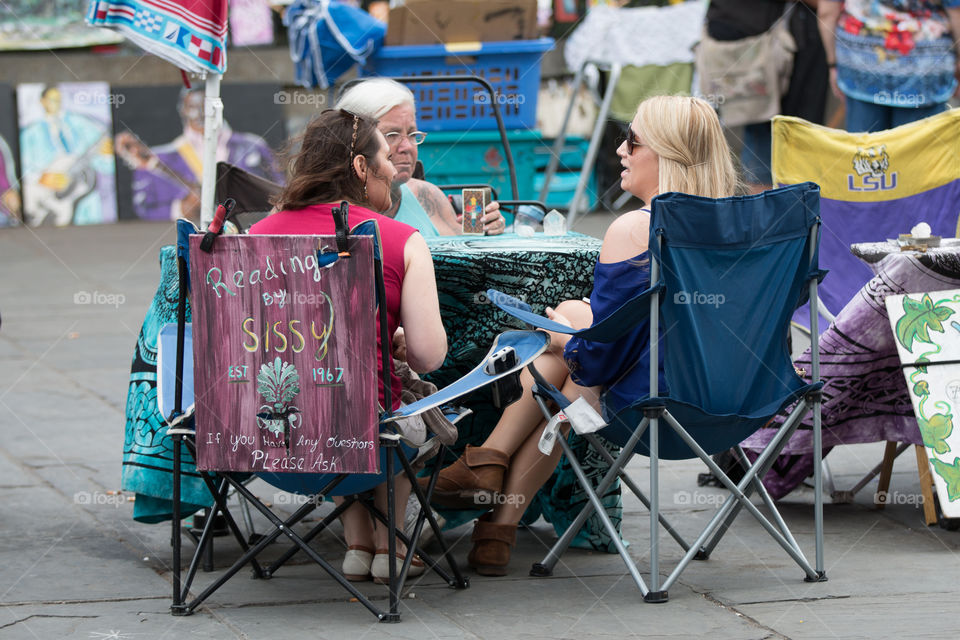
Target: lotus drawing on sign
(279,384)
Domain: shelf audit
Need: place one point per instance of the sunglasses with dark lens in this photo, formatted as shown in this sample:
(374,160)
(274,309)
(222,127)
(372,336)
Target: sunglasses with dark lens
(632,141)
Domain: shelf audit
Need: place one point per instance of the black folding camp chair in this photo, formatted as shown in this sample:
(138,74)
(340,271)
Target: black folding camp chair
(330,253)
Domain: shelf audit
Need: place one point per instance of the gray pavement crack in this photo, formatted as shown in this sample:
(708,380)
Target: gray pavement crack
(35,603)
(753,621)
(806,599)
(39,615)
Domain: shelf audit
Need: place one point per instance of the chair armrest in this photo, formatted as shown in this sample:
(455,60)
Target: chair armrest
(609,329)
(527,345)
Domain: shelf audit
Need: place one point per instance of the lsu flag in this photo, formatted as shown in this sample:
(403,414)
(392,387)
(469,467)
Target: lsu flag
(191,34)
(873,186)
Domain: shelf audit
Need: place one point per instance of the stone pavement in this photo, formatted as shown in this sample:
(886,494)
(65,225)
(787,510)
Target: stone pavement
(73,563)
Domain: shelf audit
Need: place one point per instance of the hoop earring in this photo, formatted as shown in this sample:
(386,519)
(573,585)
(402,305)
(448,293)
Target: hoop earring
(365,196)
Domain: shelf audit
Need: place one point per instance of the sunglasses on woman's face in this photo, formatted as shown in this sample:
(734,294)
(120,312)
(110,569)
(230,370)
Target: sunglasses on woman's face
(632,140)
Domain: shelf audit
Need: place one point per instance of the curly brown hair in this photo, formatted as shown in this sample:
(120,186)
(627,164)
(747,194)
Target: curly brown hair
(322,170)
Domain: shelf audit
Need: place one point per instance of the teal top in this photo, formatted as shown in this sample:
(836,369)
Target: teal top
(412,213)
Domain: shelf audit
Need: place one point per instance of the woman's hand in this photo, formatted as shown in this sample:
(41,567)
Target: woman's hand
(493,221)
(558,340)
(400,345)
(835,86)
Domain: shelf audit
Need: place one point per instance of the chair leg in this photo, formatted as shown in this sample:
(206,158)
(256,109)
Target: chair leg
(737,498)
(458,580)
(545,567)
(845,496)
(607,524)
(886,470)
(628,481)
(394,613)
(177,607)
(926,486)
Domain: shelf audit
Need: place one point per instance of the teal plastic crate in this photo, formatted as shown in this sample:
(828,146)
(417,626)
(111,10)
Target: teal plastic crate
(564,182)
(477,157)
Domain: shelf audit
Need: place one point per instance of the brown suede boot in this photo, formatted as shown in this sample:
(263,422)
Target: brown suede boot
(491,547)
(472,481)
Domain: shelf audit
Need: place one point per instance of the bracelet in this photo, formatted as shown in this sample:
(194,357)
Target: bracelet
(831,65)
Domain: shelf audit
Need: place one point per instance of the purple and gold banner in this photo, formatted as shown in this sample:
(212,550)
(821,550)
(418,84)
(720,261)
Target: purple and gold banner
(874,186)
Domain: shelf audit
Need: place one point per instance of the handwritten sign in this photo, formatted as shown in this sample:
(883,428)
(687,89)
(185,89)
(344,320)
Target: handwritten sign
(285,360)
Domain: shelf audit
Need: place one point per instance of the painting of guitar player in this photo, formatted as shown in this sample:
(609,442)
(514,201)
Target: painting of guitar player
(160,142)
(66,153)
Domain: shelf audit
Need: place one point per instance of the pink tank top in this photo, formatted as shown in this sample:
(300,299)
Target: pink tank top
(318,220)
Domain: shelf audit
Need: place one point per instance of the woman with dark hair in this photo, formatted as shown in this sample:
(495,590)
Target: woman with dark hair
(344,157)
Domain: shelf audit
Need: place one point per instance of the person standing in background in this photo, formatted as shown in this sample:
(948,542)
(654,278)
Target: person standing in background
(807,93)
(891,61)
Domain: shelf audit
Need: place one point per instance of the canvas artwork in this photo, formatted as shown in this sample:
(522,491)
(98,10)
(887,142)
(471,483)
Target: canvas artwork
(251,23)
(927,330)
(48,24)
(9,185)
(66,153)
(282,344)
(159,145)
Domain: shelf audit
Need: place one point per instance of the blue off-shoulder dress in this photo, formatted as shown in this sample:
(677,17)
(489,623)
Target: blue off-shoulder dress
(622,368)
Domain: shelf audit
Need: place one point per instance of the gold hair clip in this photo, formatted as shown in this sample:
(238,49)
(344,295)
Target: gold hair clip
(353,140)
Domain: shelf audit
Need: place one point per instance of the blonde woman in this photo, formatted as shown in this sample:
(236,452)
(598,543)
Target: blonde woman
(673,144)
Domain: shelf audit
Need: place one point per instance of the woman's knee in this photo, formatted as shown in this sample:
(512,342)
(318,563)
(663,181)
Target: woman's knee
(577,312)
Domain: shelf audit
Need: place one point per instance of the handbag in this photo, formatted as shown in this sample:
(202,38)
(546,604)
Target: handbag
(552,102)
(327,38)
(745,79)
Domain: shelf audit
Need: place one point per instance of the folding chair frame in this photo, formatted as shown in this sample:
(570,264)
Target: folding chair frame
(219,483)
(181,585)
(739,499)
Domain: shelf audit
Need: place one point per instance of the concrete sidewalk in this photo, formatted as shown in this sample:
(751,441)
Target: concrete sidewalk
(73,563)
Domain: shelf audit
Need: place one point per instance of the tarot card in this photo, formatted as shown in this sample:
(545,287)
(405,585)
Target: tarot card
(474,204)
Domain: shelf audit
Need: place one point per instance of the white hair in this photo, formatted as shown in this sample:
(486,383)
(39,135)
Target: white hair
(375,97)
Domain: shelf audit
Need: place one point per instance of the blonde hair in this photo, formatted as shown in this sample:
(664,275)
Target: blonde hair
(686,135)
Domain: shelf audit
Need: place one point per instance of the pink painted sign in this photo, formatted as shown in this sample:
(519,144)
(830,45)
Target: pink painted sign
(284,353)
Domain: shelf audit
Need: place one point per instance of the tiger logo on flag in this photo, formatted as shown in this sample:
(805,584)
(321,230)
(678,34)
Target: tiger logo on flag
(872,160)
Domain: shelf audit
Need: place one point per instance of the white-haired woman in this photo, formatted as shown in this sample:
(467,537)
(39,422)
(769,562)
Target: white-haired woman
(416,202)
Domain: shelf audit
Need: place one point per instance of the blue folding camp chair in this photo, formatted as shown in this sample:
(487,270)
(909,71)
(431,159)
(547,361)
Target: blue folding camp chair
(521,347)
(726,277)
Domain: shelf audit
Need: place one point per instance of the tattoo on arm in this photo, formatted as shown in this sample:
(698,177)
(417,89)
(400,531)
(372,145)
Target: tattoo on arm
(438,209)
